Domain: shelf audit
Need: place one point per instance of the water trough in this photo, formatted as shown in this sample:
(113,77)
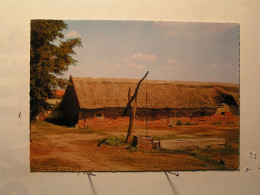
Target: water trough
(188,143)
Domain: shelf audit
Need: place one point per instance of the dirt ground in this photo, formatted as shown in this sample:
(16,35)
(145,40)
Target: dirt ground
(60,148)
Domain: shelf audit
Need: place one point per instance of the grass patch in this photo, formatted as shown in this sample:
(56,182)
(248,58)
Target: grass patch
(86,131)
(231,123)
(133,149)
(119,141)
(188,123)
(201,154)
(211,162)
(216,123)
(115,141)
(225,150)
(179,123)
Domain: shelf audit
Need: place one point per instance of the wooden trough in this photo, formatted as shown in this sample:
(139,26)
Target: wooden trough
(147,143)
(188,143)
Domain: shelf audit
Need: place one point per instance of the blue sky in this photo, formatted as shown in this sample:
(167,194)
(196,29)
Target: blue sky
(181,51)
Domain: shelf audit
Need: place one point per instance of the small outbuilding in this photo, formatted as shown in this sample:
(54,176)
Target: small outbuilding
(100,102)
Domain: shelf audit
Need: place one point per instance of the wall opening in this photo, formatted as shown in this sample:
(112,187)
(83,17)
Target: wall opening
(153,115)
(229,100)
(99,115)
(202,113)
(178,114)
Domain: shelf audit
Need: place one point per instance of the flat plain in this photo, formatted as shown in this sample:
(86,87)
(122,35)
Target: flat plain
(57,148)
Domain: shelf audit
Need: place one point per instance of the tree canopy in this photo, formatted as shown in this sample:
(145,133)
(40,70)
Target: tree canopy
(50,56)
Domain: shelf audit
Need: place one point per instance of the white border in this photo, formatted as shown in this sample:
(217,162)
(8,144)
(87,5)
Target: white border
(14,97)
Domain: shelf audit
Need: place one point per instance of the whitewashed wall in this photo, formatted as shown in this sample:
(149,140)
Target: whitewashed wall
(15,177)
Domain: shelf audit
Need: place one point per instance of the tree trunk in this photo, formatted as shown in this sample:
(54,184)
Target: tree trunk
(131,122)
(132,109)
(130,129)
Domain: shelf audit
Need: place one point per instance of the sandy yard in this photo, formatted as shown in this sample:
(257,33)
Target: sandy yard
(61,148)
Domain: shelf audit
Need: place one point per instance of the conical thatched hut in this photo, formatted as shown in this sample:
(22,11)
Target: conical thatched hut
(93,102)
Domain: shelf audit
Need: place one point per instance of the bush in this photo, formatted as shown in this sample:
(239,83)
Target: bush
(179,123)
(133,149)
(221,162)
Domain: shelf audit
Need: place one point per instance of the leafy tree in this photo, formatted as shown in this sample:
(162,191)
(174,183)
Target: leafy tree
(50,56)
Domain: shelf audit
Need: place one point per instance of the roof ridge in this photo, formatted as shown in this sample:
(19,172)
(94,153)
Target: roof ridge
(94,93)
(132,80)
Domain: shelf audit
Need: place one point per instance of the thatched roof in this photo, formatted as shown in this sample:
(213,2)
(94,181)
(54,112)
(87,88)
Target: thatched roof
(94,93)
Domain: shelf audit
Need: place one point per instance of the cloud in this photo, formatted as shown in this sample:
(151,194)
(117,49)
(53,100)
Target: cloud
(129,65)
(134,65)
(173,62)
(166,67)
(72,34)
(120,69)
(137,62)
(141,58)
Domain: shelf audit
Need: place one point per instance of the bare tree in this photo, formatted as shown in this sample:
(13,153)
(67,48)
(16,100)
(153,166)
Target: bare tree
(131,106)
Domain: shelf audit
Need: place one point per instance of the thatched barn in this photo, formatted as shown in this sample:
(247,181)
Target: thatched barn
(99,102)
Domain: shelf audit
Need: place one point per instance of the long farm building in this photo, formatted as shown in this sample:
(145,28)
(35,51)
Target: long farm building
(99,102)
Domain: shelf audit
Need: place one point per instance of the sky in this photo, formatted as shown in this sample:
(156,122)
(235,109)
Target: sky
(178,51)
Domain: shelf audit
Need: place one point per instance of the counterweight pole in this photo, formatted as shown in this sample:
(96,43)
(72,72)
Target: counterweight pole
(146,111)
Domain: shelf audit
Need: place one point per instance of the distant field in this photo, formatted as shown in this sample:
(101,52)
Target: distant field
(61,148)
